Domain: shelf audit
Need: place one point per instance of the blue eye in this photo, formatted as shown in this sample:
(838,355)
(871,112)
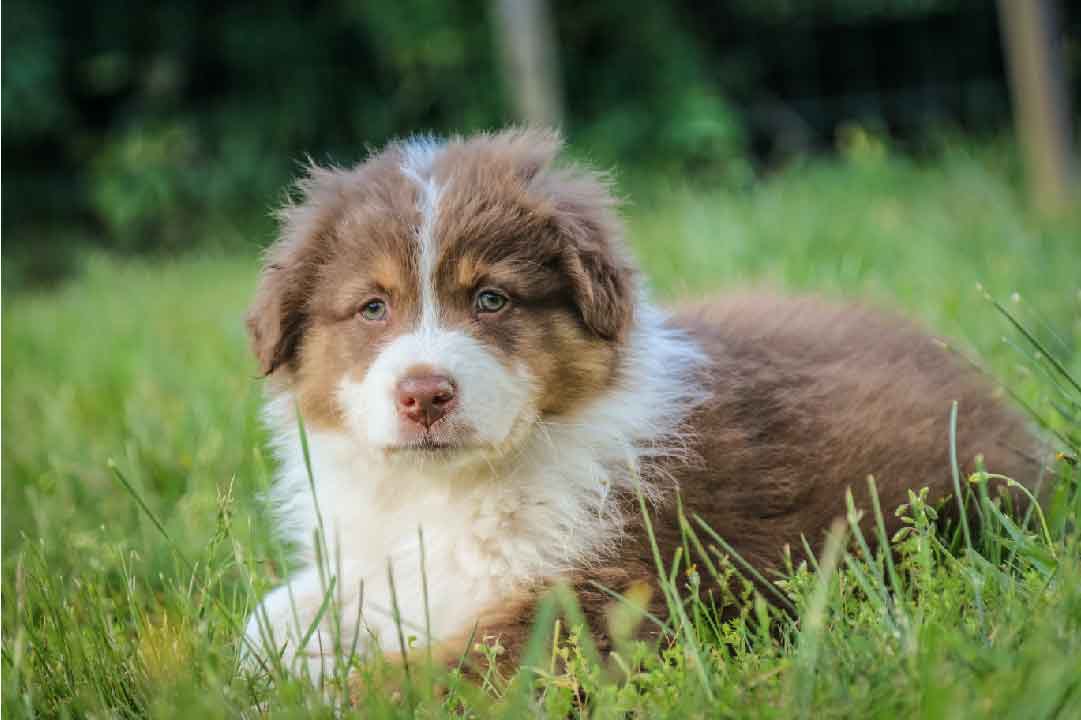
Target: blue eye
(489,301)
(374,310)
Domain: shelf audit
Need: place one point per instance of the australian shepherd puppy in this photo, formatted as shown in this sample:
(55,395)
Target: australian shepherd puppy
(462,330)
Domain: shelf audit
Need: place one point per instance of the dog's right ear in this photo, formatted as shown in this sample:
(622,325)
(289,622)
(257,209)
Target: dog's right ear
(278,315)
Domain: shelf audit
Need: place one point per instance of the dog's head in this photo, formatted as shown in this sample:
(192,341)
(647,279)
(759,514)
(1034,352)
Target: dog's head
(440,298)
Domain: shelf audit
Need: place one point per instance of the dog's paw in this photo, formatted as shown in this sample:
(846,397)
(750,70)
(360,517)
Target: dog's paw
(294,629)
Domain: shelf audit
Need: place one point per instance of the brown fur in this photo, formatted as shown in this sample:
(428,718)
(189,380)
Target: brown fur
(806,397)
(548,236)
(809,397)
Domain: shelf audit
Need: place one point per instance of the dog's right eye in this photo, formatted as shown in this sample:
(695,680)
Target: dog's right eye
(374,310)
(489,301)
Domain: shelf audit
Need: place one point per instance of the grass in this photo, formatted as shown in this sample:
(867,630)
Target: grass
(137,374)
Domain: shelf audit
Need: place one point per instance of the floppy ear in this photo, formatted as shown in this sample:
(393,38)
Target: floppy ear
(603,276)
(585,218)
(278,315)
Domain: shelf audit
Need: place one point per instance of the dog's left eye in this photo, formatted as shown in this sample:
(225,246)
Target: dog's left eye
(489,301)
(374,310)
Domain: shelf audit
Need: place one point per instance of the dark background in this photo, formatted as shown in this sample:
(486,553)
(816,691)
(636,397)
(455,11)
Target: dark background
(162,126)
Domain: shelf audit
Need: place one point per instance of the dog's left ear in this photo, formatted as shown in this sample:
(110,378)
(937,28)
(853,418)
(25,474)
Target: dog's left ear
(589,234)
(594,256)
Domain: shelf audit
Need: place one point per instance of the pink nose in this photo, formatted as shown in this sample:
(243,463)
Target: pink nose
(425,399)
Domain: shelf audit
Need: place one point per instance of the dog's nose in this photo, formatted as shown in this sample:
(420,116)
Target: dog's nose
(425,399)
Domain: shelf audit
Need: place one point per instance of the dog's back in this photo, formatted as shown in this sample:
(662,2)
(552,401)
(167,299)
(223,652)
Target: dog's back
(810,397)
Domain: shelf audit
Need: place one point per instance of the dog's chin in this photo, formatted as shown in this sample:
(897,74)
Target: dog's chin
(450,453)
(437,455)
(444,441)
(455,447)
(428,446)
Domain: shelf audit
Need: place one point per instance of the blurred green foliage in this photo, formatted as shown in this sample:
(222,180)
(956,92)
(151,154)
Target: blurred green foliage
(160,125)
(844,10)
(164,125)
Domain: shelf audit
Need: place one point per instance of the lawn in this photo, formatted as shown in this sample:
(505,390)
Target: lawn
(131,384)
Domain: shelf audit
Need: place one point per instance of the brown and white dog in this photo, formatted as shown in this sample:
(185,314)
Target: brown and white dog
(472,352)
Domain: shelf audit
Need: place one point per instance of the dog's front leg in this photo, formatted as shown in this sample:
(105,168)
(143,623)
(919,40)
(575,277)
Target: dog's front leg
(305,623)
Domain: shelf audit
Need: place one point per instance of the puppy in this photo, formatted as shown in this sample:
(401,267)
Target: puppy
(467,340)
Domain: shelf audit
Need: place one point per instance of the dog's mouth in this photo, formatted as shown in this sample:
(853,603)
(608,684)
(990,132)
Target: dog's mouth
(427,445)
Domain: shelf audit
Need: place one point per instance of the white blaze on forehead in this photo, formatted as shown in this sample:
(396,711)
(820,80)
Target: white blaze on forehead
(493,400)
(418,157)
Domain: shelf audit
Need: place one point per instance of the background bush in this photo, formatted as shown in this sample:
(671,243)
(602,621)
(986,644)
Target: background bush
(158,126)
(151,123)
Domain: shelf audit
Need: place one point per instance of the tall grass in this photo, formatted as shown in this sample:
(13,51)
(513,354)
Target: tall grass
(134,548)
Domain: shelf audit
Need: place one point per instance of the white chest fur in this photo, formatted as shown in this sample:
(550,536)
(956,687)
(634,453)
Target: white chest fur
(545,508)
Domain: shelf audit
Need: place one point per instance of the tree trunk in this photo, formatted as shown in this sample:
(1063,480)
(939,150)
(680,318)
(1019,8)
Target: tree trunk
(1034,55)
(530,66)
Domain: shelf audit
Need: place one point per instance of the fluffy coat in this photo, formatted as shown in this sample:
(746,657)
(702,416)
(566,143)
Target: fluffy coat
(570,398)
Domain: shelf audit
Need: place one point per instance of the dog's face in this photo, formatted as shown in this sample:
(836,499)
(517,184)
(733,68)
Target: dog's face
(440,299)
